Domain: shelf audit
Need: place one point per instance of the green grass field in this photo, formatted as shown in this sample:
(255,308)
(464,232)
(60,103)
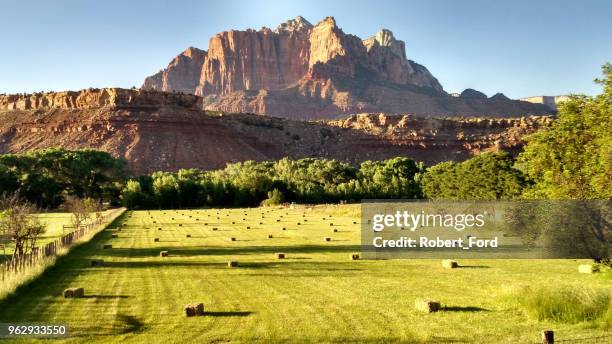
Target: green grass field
(317,294)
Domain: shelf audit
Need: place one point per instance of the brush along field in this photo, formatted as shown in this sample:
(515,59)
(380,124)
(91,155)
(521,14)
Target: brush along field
(317,293)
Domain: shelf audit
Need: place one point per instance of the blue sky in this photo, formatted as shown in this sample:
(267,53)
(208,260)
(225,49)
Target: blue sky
(520,48)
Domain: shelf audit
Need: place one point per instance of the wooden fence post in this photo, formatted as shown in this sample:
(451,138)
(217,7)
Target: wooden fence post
(548,337)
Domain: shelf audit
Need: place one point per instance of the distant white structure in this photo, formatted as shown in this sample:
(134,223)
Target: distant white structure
(550,101)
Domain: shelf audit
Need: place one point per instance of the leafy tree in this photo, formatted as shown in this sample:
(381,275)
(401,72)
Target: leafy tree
(488,176)
(19,224)
(573,158)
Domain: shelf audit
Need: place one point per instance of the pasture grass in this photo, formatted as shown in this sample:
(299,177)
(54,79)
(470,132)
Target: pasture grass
(567,304)
(317,294)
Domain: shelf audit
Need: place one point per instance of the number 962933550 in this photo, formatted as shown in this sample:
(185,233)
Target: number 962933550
(33,330)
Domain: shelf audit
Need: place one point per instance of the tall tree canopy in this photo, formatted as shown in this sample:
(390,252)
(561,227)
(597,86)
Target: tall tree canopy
(573,158)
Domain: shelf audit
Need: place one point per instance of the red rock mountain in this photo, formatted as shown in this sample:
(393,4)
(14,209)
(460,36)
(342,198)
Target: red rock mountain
(303,71)
(159,131)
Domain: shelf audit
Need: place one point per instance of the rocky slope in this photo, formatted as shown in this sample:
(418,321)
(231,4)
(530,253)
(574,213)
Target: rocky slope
(306,71)
(164,131)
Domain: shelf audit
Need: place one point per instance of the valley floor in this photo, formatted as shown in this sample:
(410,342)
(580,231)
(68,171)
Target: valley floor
(317,294)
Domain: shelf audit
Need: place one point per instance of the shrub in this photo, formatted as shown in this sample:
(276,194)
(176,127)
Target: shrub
(275,197)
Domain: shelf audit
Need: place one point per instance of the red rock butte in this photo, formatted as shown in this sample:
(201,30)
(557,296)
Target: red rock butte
(305,71)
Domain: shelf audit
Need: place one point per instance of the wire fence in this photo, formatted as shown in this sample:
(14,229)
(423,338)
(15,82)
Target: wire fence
(21,263)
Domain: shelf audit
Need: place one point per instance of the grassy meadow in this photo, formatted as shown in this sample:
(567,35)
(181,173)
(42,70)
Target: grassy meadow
(317,294)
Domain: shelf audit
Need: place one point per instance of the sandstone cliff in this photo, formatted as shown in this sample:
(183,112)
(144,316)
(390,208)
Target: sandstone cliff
(306,71)
(164,131)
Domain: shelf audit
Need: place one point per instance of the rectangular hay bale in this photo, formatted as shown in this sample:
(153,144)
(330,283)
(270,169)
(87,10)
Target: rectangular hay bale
(74,293)
(450,264)
(588,268)
(194,310)
(427,306)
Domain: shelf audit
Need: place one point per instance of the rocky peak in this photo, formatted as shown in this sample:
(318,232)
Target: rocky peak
(385,38)
(499,96)
(472,93)
(298,24)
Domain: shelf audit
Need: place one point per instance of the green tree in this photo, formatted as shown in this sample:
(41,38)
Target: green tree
(487,176)
(573,158)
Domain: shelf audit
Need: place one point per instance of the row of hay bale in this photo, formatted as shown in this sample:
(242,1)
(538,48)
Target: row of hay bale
(231,263)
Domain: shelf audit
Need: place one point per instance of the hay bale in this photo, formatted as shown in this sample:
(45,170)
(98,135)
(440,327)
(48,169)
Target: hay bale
(284,228)
(97,262)
(156,240)
(159,228)
(298,223)
(354,222)
(248,227)
(215,228)
(279,255)
(270,236)
(107,247)
(232,239)
(196,309)
(427,306)
(450,264)
(327,239)
(355,256)
(164,254)
(334,230)
(261,223)
(180,225)
(277,220)
(74,293)
(588,268)
(232,264)
(188,235)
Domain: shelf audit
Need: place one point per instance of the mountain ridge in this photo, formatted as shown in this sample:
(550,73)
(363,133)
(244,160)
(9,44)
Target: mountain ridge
(305,71)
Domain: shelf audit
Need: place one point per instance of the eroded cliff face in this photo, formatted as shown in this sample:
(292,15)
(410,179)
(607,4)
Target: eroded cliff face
(96,97)
(182,74)
(157,131)
(306,71)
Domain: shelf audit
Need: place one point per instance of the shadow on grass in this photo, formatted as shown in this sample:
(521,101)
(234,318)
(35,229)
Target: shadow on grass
(227,314)
(293,265)
(96,296)
(474,267)
(186,251)
(131,323)
(470,309)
